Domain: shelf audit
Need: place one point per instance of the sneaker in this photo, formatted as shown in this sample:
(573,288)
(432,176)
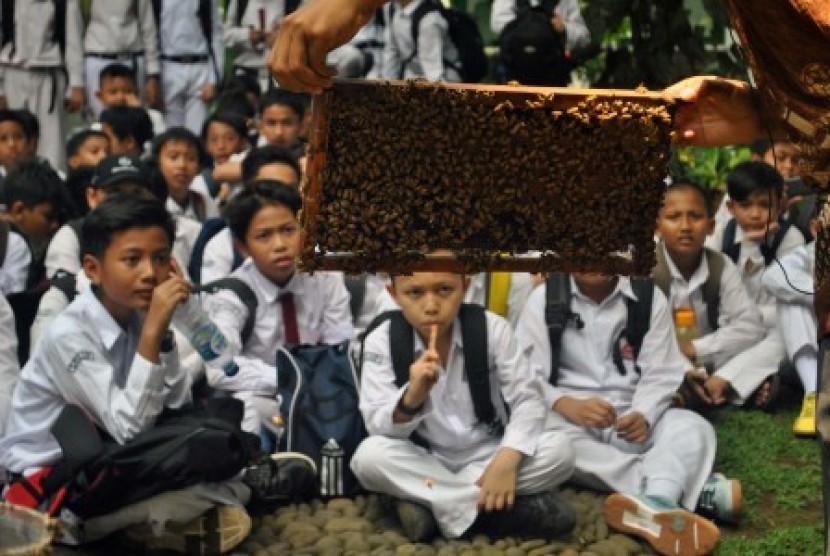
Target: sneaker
(721,499)
(282,477)
(805,424)
(218,531)
(544,515)
(417,521)
(668,528)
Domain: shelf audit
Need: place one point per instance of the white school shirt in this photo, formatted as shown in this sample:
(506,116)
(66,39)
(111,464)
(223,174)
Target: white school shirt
(751,266)
(576,32)
(323,317)
(86,358)
(180,31)
(739,321)
(15,269)
(217,257)
(447,420)
(174,208)
(434,46)
(124,26)
(587,369)
(240,38)
(521,285)
(799,265)
(34,43)
(9,365)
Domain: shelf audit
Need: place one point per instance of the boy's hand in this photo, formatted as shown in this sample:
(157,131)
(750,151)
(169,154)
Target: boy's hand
(152,91)
(166,297)
(718,389)
(762,233)
(593,412)
(208,92)
(423,374)
(687,347)
(632,427)
(557,23)
(498,482)
(76,99)
(256,37)
(695,379)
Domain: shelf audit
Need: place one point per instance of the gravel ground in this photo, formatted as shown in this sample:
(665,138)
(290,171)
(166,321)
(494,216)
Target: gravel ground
(366,526)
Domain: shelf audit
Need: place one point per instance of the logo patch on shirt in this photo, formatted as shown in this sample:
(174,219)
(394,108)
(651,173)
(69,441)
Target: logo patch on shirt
(78,358)
(375,358)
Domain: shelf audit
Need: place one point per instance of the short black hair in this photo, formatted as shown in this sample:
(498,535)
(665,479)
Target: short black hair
(116,71)
(31,125)
(129,121)
(748,177)
(120,213)
(34,182)
(77,181)
(77,140)
(235,100)
(235,121)
(180,135)
(687,184)
(269,154)
(13,116)
(255,195)
(295,101)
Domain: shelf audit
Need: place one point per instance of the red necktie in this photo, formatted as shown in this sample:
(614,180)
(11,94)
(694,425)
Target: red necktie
(289,319)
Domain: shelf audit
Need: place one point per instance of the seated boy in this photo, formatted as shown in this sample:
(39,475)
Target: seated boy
(430,446)
(292,307)
(705,281)
(117,87)
(753,239)
(611,395)
(280,120)
(13,141)
(110,353)
(87,147)
(792,284)
(128,128)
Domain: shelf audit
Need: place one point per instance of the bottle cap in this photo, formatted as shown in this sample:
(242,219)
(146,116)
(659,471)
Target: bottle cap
(684,317)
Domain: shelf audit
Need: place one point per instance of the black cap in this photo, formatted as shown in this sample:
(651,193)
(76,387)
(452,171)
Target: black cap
(117,168)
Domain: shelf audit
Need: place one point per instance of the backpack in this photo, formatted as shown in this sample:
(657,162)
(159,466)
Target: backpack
(465,35)
(290,7)
(732,249)
(473,320)
(711,287)
(558,314)
(245,294)
(531,51)
(7,30)
(97,475)
(210,228)
(206,15)
(317,387)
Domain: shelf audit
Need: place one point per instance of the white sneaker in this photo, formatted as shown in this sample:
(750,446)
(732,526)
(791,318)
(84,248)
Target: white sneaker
(721,499)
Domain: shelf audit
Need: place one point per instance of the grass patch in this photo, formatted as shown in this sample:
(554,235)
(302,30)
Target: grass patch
(781,479)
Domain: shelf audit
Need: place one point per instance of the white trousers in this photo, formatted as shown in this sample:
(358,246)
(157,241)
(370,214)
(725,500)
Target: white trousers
(182,89)
(177,506)
(674,463)
(42,93)
(747,370)
(93,72)
(403,470)
(797,326)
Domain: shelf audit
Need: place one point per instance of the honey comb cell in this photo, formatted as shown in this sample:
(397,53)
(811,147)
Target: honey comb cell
(399,169)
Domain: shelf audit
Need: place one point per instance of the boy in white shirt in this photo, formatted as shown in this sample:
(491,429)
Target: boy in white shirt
(706,282)
(611,395)
(291,307)
(483,470)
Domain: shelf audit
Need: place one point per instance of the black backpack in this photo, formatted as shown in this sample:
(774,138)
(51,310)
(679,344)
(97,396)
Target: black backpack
(7,25)
(711,287)
(210,228)
(558,315)
(531,51)
(474,333)
(318,389)
(732,249)
(465,35)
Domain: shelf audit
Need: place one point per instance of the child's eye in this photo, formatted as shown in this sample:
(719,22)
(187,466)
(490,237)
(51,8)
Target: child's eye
(444,291)
(131,261)
(289,230)
(414,294)
(163,258)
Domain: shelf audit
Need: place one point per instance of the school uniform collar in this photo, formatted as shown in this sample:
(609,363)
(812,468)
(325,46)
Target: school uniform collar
(269,290)
(700,275)
(102,321)
(622,288)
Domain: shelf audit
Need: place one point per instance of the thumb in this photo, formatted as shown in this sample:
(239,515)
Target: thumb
(317,52)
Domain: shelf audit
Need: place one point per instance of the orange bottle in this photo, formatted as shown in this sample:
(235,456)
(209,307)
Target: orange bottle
(685,324)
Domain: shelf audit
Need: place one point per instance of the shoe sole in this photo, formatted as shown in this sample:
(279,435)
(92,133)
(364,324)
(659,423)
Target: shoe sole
(668,532)
(804,432)
(295,455)
(218,531)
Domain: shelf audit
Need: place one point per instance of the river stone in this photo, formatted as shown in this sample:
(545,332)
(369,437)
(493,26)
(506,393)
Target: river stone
(340,524)
(301,539)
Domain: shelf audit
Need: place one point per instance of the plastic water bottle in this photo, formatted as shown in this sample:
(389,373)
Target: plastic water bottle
(685,324)
(204,335)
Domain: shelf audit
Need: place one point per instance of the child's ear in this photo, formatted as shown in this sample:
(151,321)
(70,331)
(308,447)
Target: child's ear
(92,268)
(729,205)
(241,247)
(16,211)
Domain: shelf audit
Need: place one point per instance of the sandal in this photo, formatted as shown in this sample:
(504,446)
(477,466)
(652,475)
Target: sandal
(773,382)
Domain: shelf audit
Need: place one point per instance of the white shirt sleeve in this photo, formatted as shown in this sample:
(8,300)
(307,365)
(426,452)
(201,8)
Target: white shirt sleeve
(9,365)
(532,334)
(432,33)
(795,273)
(64,252)
(149,36)
(577,34)
(74,56)
(15,267)
(217,258)
(337,315)
(391,55)
(51,304)
(502,13)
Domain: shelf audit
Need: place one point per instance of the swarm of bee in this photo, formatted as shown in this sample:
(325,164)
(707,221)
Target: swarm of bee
(406,169)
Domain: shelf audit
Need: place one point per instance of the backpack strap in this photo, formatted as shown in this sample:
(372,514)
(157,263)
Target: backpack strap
(7,24)
(67,283)
(60,26)
(356,284)
(557,314)
(241,6)
(637,323)
(728,245)
(419,13)
(770,251)
(76,225)
(4,241)
(476,366)
(244,292)
(711,287)
(660,273)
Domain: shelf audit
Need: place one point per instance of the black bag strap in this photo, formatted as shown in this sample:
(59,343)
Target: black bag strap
(711,287)
(244,292)
(356,284)
(4,241)
(661,273)
(66,282)
(770,251)
(637,323)
(206,15)
(728,245)
(76,225)
(419,13)
(557,314)
(241,6)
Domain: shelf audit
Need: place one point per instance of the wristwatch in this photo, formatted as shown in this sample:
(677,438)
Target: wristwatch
(168,343)
(408,411)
